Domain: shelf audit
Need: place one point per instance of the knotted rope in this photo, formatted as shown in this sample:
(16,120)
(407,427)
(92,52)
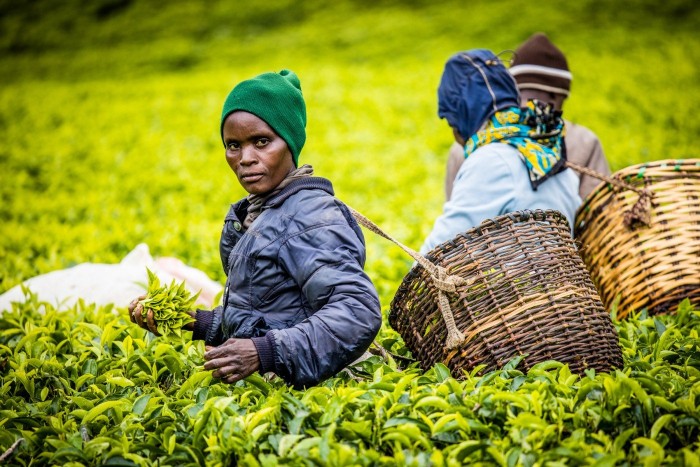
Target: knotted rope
(445,283)
(640,212)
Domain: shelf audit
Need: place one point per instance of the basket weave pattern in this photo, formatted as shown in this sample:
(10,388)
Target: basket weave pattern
(651,267)
(529,294)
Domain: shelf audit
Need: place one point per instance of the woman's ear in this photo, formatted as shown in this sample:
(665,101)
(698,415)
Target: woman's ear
(458,138)
(291,157)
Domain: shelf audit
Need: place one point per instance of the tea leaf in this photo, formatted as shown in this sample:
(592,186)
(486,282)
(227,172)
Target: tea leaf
(140,404)
(101,408)
(120,381)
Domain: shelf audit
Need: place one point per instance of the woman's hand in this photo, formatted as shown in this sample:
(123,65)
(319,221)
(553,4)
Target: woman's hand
(136,314)
(233,360)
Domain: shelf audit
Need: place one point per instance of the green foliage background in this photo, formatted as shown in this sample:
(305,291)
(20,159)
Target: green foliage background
(109,116)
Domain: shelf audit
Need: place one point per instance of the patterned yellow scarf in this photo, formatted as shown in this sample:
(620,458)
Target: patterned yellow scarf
(536,131)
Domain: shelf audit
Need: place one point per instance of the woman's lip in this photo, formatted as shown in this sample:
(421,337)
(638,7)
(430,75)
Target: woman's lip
(251,177)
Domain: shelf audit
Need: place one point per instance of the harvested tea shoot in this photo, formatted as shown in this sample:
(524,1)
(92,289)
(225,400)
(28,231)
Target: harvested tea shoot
(170,305)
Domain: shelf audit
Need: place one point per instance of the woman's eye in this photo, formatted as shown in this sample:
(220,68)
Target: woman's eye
(262,142)
(232,146)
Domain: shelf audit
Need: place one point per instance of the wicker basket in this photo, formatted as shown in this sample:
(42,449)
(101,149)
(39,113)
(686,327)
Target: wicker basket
(528,293)
(655,266)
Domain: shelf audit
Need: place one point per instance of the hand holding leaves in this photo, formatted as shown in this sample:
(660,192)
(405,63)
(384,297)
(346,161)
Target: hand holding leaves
(233,360)
(164,309)
(136,314)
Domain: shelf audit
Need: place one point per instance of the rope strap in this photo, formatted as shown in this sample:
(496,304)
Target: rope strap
(445,283)
(640,213)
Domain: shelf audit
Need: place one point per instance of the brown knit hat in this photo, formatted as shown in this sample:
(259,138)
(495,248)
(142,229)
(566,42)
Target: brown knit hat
(539,64)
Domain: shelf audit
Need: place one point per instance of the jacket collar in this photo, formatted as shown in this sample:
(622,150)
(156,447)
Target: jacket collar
(238,210)
(306,183)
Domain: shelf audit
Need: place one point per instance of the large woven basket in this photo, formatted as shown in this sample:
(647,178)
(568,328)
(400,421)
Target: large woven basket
(526,292)
(654,266)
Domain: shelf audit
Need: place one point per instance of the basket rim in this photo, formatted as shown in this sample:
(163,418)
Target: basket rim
(499,222)
(689,163)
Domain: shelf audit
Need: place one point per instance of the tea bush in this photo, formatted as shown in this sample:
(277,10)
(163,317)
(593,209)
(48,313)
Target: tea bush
(84,386)
(109,116)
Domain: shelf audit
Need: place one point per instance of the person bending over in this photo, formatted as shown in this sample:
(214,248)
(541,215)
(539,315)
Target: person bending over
(513,156)
(542,72)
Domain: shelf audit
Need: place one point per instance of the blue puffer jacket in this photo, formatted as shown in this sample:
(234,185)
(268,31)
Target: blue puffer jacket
(296,285)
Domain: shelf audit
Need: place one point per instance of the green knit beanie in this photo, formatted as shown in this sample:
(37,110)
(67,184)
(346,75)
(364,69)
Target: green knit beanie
(275,98)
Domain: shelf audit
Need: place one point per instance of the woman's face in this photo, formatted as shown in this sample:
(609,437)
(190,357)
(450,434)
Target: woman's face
(256,154)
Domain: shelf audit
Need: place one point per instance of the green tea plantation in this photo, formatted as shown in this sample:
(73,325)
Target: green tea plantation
(109,137)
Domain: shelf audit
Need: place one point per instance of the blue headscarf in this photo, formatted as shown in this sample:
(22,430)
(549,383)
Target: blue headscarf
(474,85)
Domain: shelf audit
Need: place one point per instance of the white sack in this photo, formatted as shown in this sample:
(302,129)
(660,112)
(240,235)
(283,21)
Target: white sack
(112,283)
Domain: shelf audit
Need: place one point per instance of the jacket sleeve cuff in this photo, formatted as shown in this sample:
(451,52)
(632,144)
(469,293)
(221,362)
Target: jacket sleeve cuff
(203,323)
(266,352)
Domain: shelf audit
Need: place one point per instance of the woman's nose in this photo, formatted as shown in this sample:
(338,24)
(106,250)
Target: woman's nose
(248,155)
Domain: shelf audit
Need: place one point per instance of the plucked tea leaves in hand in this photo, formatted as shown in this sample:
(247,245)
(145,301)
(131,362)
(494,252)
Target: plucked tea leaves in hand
(170,305)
